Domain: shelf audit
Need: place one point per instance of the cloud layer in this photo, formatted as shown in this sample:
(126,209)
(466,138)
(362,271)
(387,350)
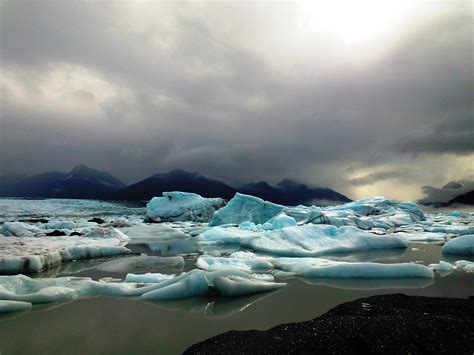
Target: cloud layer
(237,91)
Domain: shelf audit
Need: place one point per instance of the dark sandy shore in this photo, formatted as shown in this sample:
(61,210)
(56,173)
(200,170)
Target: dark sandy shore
(395,324)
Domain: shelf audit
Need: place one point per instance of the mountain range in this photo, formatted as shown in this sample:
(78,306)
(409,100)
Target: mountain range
(84,182)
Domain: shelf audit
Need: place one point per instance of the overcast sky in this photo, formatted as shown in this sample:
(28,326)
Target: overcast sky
(366,97)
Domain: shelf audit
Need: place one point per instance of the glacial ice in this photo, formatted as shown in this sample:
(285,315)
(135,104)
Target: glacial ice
(220,235)
(142,263)
(460,245)
(210,263)
(243,208)
(316,240)
(465,265)
(182,206)
(314,267)
(149,277)
(234,286)
(145,232)
(20,229)
(443,268)
(30,255)
(14,306)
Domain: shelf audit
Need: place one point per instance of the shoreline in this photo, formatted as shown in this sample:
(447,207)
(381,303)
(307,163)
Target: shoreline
(393,323)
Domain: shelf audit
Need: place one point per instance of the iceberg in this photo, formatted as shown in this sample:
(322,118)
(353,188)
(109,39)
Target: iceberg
(460,245)
(182,206)
(243,208)
(30,254)
(145,232)
(143,263)
(234,286)
(20,229)
(316,240)
(236,261)
(221,235)
(443,268)
(314,267)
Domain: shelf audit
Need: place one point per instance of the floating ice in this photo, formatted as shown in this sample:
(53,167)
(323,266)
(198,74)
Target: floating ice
(29,255)
(20,229)
(282,221)
(142,263)
(451,229)
(182,206)
(423,236)
(443,268)
(210,263)
(144,232)
(233,286)
(194,283)
(243,208)
(220,235)
(13,306)
(460,245)
(148,277)
(465,265)
(314,267)
(315,240)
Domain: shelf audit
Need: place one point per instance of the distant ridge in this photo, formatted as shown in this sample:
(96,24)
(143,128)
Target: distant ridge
(289,192)
(175,180)
(80,182)
(464,199)
(83,182)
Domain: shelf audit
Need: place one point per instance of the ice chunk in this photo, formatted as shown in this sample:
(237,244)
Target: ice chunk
(20,229)
(315,267)
(243,208)
(107,232)
(142,263)
(29,255)
(194,283)
(145,232)
(233,286)
(219,235)
(148,277)
(282,221)
(423,236)
(451,229)
(465,265)
(460,245)
(182,206)
(210,263)
(13,306)
(315,240)
(443,268)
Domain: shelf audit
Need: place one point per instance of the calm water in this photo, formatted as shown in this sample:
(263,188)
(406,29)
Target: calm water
(124,325)
(130,325)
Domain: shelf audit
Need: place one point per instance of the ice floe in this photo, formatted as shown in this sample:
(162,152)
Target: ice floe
(182,206)
(460,245)
(316,240)
(142,263)
(314,267)
(29,255)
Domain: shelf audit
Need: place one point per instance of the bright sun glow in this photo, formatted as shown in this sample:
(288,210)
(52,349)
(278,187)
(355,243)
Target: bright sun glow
(351,20)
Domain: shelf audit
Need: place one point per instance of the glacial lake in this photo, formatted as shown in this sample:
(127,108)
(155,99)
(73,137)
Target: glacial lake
(131,325)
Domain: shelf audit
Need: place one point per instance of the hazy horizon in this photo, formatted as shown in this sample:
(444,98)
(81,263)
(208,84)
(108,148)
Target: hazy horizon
(367,98)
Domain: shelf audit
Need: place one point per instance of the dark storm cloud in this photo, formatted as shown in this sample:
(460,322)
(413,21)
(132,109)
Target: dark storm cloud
(169,88)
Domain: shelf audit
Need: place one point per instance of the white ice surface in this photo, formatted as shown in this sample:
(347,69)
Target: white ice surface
(29,255)
(316,240)
(315,267)
(148,277)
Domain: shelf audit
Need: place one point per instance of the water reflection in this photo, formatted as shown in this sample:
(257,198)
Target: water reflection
(371,283)
(217,307)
